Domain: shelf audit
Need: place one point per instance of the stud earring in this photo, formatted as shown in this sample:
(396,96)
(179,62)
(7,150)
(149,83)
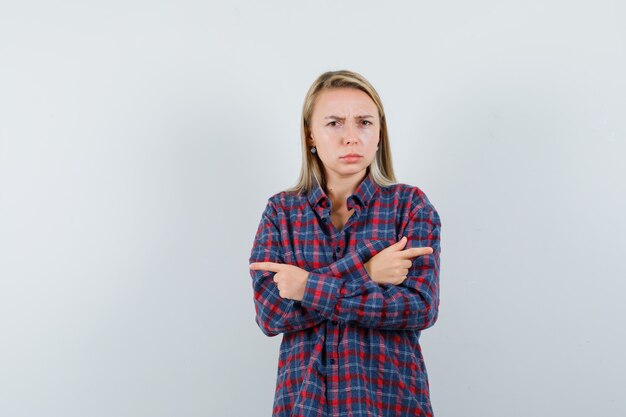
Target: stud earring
(313,150)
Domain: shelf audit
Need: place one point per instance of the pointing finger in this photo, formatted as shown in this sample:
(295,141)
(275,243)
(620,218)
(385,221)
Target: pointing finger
(413,252)
(266,266)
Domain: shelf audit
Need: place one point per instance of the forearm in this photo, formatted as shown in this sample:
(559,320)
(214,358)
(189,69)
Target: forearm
(275,314)
(345,291)
(410,305)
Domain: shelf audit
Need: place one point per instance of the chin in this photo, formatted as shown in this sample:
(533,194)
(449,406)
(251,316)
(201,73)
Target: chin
(352,170)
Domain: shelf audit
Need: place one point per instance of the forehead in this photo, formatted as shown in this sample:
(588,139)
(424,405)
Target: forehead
(342,101)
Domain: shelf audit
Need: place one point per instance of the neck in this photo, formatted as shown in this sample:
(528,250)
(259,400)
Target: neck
(338,189)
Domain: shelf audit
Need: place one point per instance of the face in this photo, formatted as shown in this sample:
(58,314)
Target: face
(344,121)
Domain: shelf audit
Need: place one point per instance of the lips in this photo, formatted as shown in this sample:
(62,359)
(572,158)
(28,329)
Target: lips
(351,155)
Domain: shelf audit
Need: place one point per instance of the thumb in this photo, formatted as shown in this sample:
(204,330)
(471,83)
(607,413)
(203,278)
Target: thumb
(398,245)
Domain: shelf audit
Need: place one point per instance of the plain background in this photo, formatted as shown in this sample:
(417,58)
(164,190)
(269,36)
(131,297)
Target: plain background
(140,140)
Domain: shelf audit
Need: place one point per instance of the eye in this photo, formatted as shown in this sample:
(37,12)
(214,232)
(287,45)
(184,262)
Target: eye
(333,123)
(367,122)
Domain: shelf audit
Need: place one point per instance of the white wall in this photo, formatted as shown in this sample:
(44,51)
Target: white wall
(139,143)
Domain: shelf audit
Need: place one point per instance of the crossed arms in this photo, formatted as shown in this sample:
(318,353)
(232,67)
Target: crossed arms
(343,290)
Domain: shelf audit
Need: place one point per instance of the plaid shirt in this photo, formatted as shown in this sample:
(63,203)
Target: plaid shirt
(351,346)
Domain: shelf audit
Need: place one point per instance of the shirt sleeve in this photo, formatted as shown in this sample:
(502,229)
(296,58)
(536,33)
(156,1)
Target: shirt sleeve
(275,314)
(347,293)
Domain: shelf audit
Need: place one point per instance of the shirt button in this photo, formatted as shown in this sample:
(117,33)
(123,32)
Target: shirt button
(332,361)
(335,322)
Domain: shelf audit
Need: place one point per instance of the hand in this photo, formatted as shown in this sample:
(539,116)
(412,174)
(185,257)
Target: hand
(290,280)
(391,265)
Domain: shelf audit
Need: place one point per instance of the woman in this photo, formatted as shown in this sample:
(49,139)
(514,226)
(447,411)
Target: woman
(346,266)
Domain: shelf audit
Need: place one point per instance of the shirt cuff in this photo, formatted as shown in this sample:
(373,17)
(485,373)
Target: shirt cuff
(321,293)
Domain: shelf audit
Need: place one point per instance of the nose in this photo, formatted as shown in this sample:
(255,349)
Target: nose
(350,135)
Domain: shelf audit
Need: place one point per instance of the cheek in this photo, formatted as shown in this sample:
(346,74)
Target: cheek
(370,136)
(321,135)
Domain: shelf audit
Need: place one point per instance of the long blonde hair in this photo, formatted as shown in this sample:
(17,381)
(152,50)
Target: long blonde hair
(311,171)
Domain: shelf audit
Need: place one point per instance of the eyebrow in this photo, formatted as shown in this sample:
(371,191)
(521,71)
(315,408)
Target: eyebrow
(365,116)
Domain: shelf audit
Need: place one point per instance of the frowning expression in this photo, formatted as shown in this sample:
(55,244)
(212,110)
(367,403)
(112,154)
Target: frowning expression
(345,122)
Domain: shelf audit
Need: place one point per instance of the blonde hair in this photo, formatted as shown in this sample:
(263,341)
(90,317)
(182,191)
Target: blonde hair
(311,171)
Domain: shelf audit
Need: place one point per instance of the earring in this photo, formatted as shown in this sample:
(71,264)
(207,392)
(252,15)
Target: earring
(313,150)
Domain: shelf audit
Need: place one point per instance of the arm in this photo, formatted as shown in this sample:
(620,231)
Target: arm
(351,295)
(275,314)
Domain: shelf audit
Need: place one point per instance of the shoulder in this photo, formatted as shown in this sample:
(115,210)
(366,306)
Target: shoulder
(410,196)
(285,201)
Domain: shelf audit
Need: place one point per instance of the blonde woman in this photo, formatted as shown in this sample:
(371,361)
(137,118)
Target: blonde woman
(345,265)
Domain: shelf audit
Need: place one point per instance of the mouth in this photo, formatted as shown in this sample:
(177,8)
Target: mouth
(351,155)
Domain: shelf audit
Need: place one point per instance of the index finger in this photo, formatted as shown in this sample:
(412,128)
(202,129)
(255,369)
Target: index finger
(413,252)
(266,266)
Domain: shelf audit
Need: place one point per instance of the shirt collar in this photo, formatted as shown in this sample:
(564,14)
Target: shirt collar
(362,195)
